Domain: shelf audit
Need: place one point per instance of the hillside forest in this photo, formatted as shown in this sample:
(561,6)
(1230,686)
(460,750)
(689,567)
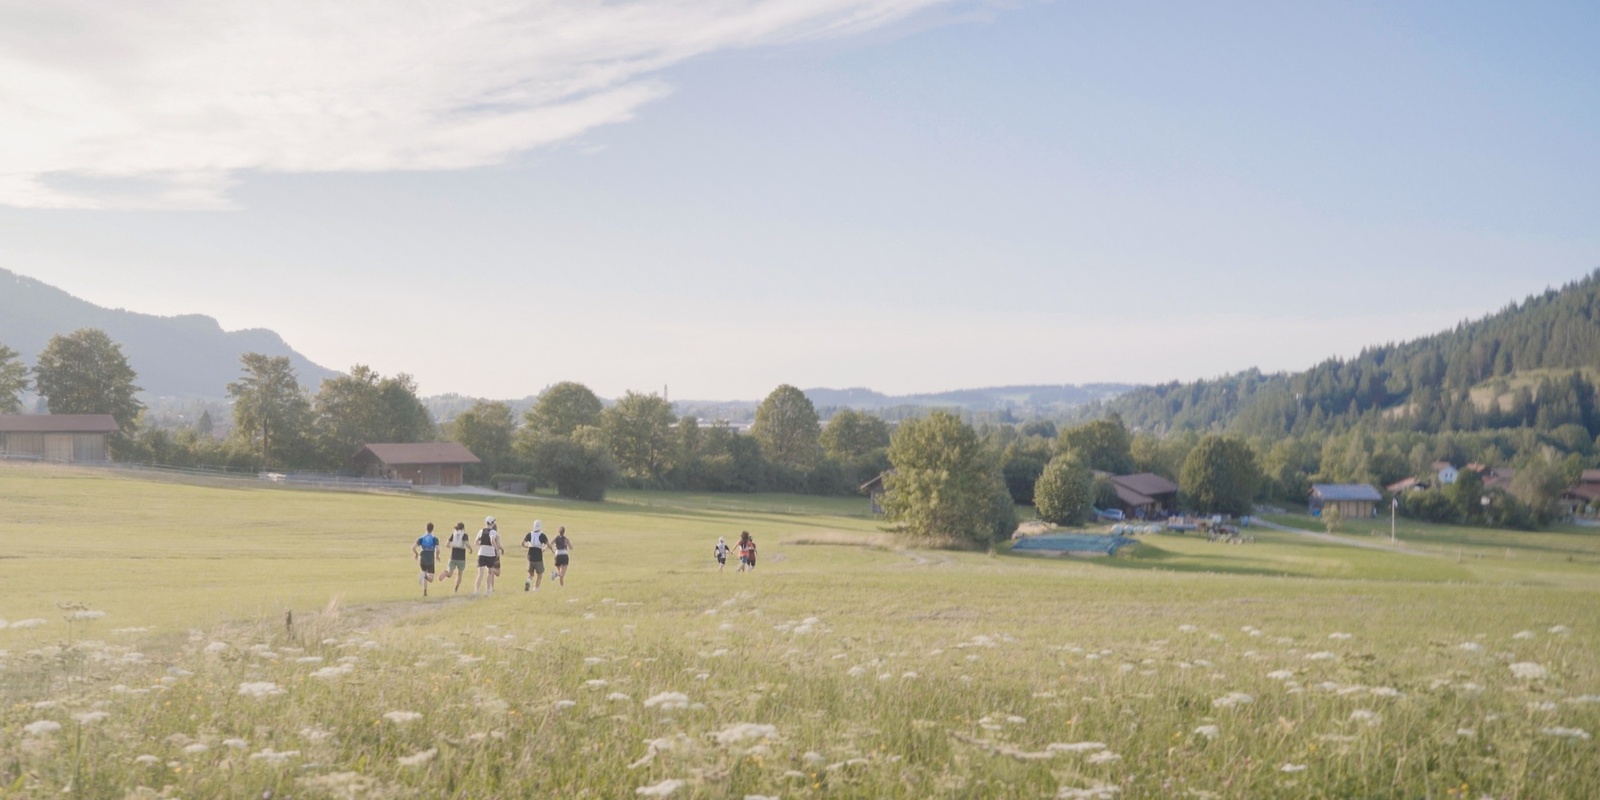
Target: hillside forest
(1512,394)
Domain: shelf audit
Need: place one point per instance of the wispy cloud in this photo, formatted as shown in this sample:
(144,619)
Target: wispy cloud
(161,103)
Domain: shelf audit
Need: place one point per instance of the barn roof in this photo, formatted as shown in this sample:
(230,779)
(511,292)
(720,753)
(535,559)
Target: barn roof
(1145,483)
(420,453)
(1345,491)
(58,423)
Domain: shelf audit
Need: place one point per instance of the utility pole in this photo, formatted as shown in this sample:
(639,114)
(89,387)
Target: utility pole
(1394,503)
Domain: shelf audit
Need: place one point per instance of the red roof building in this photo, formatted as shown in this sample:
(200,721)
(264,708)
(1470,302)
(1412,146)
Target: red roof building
(62,438)
(422,463)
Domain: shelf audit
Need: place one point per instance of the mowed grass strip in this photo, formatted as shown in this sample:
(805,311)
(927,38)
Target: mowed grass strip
(1283,668)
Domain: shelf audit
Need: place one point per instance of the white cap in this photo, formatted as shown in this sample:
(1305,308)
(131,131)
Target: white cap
(488,520)
(537,526)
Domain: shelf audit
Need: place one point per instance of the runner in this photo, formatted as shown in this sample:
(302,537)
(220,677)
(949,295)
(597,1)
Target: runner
(537,543)
(722,552)
(489,551)
(747,552)
(563,548)
(458,555)
(423,551)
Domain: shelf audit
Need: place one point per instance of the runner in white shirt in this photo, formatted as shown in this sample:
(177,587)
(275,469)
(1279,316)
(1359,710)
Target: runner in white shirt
(489,551)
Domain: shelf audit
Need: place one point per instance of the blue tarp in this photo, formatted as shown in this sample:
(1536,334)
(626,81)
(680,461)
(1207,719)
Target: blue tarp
(1073,543)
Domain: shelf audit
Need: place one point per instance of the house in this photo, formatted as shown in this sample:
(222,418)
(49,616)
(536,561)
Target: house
(1144,494)
(1446,471)
(1353,500)
(1498,479)
(1584,498)
(874,490)
(422,463)
(1406,485)
(56,437)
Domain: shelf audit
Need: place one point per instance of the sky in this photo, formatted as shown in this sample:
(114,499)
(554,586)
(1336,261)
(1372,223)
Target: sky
(718,196)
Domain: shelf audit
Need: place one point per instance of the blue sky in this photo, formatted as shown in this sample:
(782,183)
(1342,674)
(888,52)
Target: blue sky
(720,197)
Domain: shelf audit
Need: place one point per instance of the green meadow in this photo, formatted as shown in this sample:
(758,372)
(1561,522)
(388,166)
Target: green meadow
(146,653)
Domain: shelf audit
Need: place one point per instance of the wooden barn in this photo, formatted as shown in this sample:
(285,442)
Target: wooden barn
(1354,500)
(1145,494)
(422,463)
(56,437)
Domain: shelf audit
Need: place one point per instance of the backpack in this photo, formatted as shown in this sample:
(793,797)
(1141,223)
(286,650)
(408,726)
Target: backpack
(484,538)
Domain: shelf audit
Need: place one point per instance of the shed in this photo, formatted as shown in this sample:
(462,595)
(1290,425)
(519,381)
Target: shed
(1353,500)
(422,463)
(1145,493)
(874,489)
(56,437)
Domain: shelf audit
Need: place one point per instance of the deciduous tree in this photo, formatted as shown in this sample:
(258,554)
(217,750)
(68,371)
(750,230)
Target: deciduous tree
(1064,491)
(270,411)
(851,434)
(638,432)
(13,381)
(486,429)
(84,372)
(562,409)
(945,488)
(364,407)
(1103,444)
(787,429)
(1220,475)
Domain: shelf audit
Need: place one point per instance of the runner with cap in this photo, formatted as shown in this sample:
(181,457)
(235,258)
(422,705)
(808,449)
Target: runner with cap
(536,543)
(489,551)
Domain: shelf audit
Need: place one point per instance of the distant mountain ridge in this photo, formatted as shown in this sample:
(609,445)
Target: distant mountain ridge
(183,356)
(1040,398)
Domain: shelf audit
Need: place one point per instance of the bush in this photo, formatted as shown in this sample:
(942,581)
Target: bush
(1064,492)
(1432,505)
(581,471)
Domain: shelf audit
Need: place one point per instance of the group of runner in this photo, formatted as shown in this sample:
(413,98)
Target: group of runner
(490,549)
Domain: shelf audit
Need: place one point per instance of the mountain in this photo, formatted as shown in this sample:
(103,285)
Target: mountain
(1529,365)
(183,356)
(1038,399)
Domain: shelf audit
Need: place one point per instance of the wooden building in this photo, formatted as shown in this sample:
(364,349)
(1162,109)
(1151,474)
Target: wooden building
(874,489)
(422,463)
(1354,500)
(57,437)
(1145,494)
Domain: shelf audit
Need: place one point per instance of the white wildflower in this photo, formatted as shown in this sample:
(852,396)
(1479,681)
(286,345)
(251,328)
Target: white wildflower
(315,734)
(259,689)
(1529,671)
(272,756)
(1568,733)
(147,760)
(1232,699)
(594,661)
(618,697)
(1099,791)
(668,701)
(1281,674)
(1075,747)
(1339,637)
(1471,647)
(1584,698)
(1104,757)
(562,705)
(235,744)
(1365,716)
(43,705)
(1467,733)
(1386,691)
(1522,635)
(596,683)
(1542,705)
(1560,630)
(308,660)
(333,673)
(196,749)
(418,759)
(27,623)
(41,727)
(402,717)
(1187,629)
(662,789)
(745,732)
(1322,655)
(856,671)
(90,717)
(1208,731)
(1292,768)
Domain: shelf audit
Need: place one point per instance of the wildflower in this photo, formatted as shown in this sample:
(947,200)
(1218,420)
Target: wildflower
(315,734)
(196,749)
(1466,733)
(1232,699)
(668,701)
(1104,757)
(1522,635)
(27,623)
(1365,716)
(1187,629)
(1471,647)
(1584,698)
(418,759)
(1208,731)
(235,744)
(1339,637)
(1529,671)
(662,789)
(1544,705)
(274,756)
(594,661)
(147,760)
(1075,747)
(1292,768)
(1568,733)
(618,697)
(745,732)
(41,727)
(259,689)
(1322,656)
(402,717)
(308,660)
(1280,674)
(1560,630)
(90,717)
(332,673)
(565,704)
(856,671)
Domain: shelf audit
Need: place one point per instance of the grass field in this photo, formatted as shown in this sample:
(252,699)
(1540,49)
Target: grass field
(145,654)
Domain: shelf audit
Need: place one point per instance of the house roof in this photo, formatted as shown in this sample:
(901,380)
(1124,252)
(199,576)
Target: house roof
(1589,492)
(1590,476)
(1496,477)
(1130,497)
(421,453)
(1145,483)
(1401,485)
(58,423)
(1442,465)
(1345,491)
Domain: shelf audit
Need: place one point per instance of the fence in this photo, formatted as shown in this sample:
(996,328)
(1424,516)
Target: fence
(303,479)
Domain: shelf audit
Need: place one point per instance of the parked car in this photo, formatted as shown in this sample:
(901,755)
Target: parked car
(1113,514)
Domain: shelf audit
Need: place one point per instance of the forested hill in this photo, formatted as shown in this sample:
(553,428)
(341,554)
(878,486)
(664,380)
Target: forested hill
(183,356)
(1533,364)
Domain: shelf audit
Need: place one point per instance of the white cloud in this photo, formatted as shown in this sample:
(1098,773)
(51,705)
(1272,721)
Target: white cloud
(160,103)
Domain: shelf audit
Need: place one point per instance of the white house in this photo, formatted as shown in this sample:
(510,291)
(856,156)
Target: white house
(1447,472)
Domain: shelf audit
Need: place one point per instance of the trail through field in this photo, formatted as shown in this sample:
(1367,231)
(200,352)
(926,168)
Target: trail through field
(1331,538)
